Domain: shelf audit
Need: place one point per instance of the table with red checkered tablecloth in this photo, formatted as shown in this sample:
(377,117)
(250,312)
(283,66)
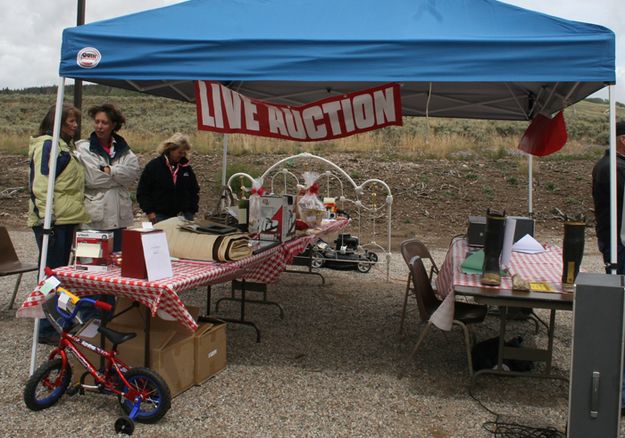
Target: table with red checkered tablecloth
(162,296)
(543,267)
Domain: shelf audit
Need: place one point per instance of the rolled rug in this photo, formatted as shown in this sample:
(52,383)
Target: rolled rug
(208,247)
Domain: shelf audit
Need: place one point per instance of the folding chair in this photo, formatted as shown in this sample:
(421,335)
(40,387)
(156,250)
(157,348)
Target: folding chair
(10,264)
(409,249)
(428,302)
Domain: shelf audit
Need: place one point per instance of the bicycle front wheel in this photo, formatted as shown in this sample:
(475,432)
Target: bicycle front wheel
(156,398)
(46,386)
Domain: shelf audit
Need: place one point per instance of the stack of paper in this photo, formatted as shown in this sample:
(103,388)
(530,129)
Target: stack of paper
(528,245)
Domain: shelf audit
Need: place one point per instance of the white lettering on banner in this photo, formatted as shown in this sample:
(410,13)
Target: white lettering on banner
(294,123)
(332,109)
(250,114)
(348,115)
(232,103)
(311,116)
(384,106)
(276,121)
(219,120)
(363,111)
(207,119)
(224,110)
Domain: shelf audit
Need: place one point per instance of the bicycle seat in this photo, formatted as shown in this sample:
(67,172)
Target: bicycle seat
(116,337)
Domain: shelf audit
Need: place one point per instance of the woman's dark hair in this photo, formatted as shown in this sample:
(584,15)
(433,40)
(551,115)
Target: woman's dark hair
(47,124)
(114,114)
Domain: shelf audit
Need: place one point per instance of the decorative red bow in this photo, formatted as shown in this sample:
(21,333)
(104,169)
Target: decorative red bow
(260,191)
(313,189)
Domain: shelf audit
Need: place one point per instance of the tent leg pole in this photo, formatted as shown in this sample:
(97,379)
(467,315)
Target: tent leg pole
(47,221)
(224,164)
(530,184)
(613,220)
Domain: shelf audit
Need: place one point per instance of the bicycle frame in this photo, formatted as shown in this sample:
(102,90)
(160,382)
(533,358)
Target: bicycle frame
(113,365)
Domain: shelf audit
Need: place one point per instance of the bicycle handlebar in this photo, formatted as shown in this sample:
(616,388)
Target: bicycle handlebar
(78,303)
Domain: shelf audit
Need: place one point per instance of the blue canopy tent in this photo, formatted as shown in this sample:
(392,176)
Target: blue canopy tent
(454,58)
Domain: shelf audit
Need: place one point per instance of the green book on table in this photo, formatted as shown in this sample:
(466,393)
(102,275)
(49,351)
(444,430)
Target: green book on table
(473,263)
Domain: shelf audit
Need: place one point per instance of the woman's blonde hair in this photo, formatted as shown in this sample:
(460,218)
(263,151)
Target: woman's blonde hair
(174,142)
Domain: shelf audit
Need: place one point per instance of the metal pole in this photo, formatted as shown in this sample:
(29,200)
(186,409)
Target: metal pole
(47,221)
(224,164)
(614,233)
(80,20)
(530,184)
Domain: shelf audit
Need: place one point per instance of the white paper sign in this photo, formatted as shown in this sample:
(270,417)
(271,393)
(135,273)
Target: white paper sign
(508,241)
(93,250)
(527,244)
(156,254)
(50,284)
(63,301)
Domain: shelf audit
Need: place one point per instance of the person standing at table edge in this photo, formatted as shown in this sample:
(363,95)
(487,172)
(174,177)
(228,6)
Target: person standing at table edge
(111,168)
(68,210)
(168,185)
(601,198)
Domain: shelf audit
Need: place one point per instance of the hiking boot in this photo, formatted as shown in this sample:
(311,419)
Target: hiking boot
(493,243)
(572,249)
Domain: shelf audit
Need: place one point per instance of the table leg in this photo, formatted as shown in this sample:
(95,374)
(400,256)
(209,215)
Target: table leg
(552,324)
(503,312)
(241,319)
(208,299)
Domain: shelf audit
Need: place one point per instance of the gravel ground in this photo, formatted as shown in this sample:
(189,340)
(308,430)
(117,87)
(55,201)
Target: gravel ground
(329,368)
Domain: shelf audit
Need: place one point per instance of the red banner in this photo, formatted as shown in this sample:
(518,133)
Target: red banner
(220,109)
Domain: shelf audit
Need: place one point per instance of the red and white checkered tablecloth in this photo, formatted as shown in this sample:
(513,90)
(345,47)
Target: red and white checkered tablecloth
(546,267)
(162,296)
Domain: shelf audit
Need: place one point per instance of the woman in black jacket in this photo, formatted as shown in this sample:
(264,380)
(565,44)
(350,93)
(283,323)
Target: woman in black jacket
(168,187)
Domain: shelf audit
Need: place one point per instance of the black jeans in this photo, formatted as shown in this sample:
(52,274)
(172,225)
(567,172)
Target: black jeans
(604,248)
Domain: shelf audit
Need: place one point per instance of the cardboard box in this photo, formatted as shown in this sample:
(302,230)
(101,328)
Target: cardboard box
(277,217)
(210,350)
(93,250)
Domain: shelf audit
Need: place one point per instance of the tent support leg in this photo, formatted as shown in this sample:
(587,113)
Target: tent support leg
(224,163)
(47,221)
(613,220)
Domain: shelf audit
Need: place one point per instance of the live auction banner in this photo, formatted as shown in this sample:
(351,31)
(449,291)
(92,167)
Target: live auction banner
(220,109)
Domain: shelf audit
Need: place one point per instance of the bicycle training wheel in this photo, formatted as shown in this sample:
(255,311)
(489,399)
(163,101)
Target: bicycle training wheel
(46,386)
(154,391)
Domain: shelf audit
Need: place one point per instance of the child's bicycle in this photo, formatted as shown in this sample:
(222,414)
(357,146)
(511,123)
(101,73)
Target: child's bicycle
(143,394)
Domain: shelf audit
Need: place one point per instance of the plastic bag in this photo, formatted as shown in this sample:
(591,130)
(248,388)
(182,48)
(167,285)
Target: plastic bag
(311,209)
(254,205)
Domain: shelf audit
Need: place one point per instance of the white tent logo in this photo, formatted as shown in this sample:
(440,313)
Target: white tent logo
(88,57)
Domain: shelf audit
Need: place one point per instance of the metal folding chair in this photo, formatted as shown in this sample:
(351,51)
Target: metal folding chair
(10,264)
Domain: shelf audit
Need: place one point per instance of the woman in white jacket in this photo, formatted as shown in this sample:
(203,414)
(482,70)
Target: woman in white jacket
(111,168)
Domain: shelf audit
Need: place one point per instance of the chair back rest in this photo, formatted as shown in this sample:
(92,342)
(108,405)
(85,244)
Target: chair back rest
(414,247)
(7,252)
(427,302)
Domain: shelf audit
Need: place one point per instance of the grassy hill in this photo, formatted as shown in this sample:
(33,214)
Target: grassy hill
(151,119)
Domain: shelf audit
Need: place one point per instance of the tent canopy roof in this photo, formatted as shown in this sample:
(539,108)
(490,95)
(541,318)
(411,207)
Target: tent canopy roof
(454,58)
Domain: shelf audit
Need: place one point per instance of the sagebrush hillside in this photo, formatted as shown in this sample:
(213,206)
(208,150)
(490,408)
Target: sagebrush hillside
(151,119)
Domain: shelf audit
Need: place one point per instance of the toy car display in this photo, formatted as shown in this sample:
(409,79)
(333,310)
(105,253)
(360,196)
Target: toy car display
(346,255)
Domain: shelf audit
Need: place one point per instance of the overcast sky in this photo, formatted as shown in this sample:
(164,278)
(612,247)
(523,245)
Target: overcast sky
(30,38)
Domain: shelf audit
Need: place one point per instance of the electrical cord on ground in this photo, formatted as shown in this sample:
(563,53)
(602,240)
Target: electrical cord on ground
(500,429)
